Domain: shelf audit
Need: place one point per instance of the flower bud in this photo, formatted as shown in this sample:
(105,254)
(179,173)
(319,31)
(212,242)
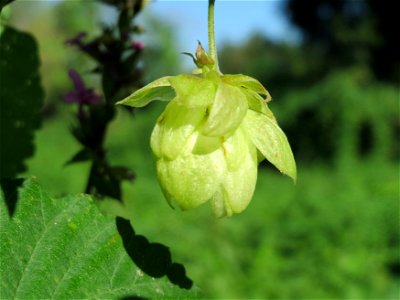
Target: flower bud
(202,57)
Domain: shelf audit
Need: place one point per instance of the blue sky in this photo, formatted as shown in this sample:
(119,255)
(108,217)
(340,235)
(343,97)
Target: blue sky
(234,20)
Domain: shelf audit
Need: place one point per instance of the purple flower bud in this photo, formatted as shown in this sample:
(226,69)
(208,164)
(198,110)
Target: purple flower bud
(71,97)
(81,94)
(138,45)
(76,80)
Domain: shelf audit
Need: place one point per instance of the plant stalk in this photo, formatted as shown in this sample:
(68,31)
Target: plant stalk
(211,35)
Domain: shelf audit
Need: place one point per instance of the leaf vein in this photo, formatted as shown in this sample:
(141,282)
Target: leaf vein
(56,217)
(77,258)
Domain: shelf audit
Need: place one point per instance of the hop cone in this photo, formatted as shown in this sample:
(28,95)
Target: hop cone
(210,138)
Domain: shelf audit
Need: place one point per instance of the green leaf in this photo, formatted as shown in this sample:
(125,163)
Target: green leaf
(80,156)
(193,91)
(191,56)
(4,3)
(10,187)
(21,99)
(248,82)
(66,249)
(159,89)
(227,111)
(269,138)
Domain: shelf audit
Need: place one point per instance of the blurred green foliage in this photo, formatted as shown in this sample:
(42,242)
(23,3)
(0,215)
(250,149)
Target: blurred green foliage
(349,32)
(335,234)
(53,23)
(328,113)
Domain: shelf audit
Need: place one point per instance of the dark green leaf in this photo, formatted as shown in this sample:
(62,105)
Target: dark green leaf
(21,98)
(10,191)
(80,156)
(4,3)
(66,249)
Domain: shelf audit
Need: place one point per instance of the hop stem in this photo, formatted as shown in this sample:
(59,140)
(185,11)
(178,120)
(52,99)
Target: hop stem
(211,36)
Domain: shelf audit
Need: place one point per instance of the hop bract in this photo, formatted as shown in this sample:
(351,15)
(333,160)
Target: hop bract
(210,138)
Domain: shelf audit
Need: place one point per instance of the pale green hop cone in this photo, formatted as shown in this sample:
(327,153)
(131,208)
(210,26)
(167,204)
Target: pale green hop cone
(208,139)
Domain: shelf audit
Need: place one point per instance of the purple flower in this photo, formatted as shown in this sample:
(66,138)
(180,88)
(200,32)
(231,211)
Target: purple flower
(138,45)
(76,40)
(80,94)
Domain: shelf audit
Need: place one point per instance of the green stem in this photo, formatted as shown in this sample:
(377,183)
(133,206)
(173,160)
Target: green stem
(211,36)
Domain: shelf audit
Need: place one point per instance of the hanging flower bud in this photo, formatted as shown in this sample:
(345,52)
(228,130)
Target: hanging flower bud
(208,139)
(202,57)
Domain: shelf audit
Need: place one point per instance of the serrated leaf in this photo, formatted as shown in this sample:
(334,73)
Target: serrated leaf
(159,89)
(271,141)
(66,249)
(248,82)
(193,91)
(227,111)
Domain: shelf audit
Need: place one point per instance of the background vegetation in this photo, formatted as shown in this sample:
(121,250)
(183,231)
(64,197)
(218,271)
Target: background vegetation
(335,234)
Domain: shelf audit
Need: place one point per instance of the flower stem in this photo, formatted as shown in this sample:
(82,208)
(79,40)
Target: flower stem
(211,36)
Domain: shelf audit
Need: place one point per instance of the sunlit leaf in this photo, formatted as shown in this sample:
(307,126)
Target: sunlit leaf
(193,91)
(248,82)
(257,103)
(269,138)
(159,89)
